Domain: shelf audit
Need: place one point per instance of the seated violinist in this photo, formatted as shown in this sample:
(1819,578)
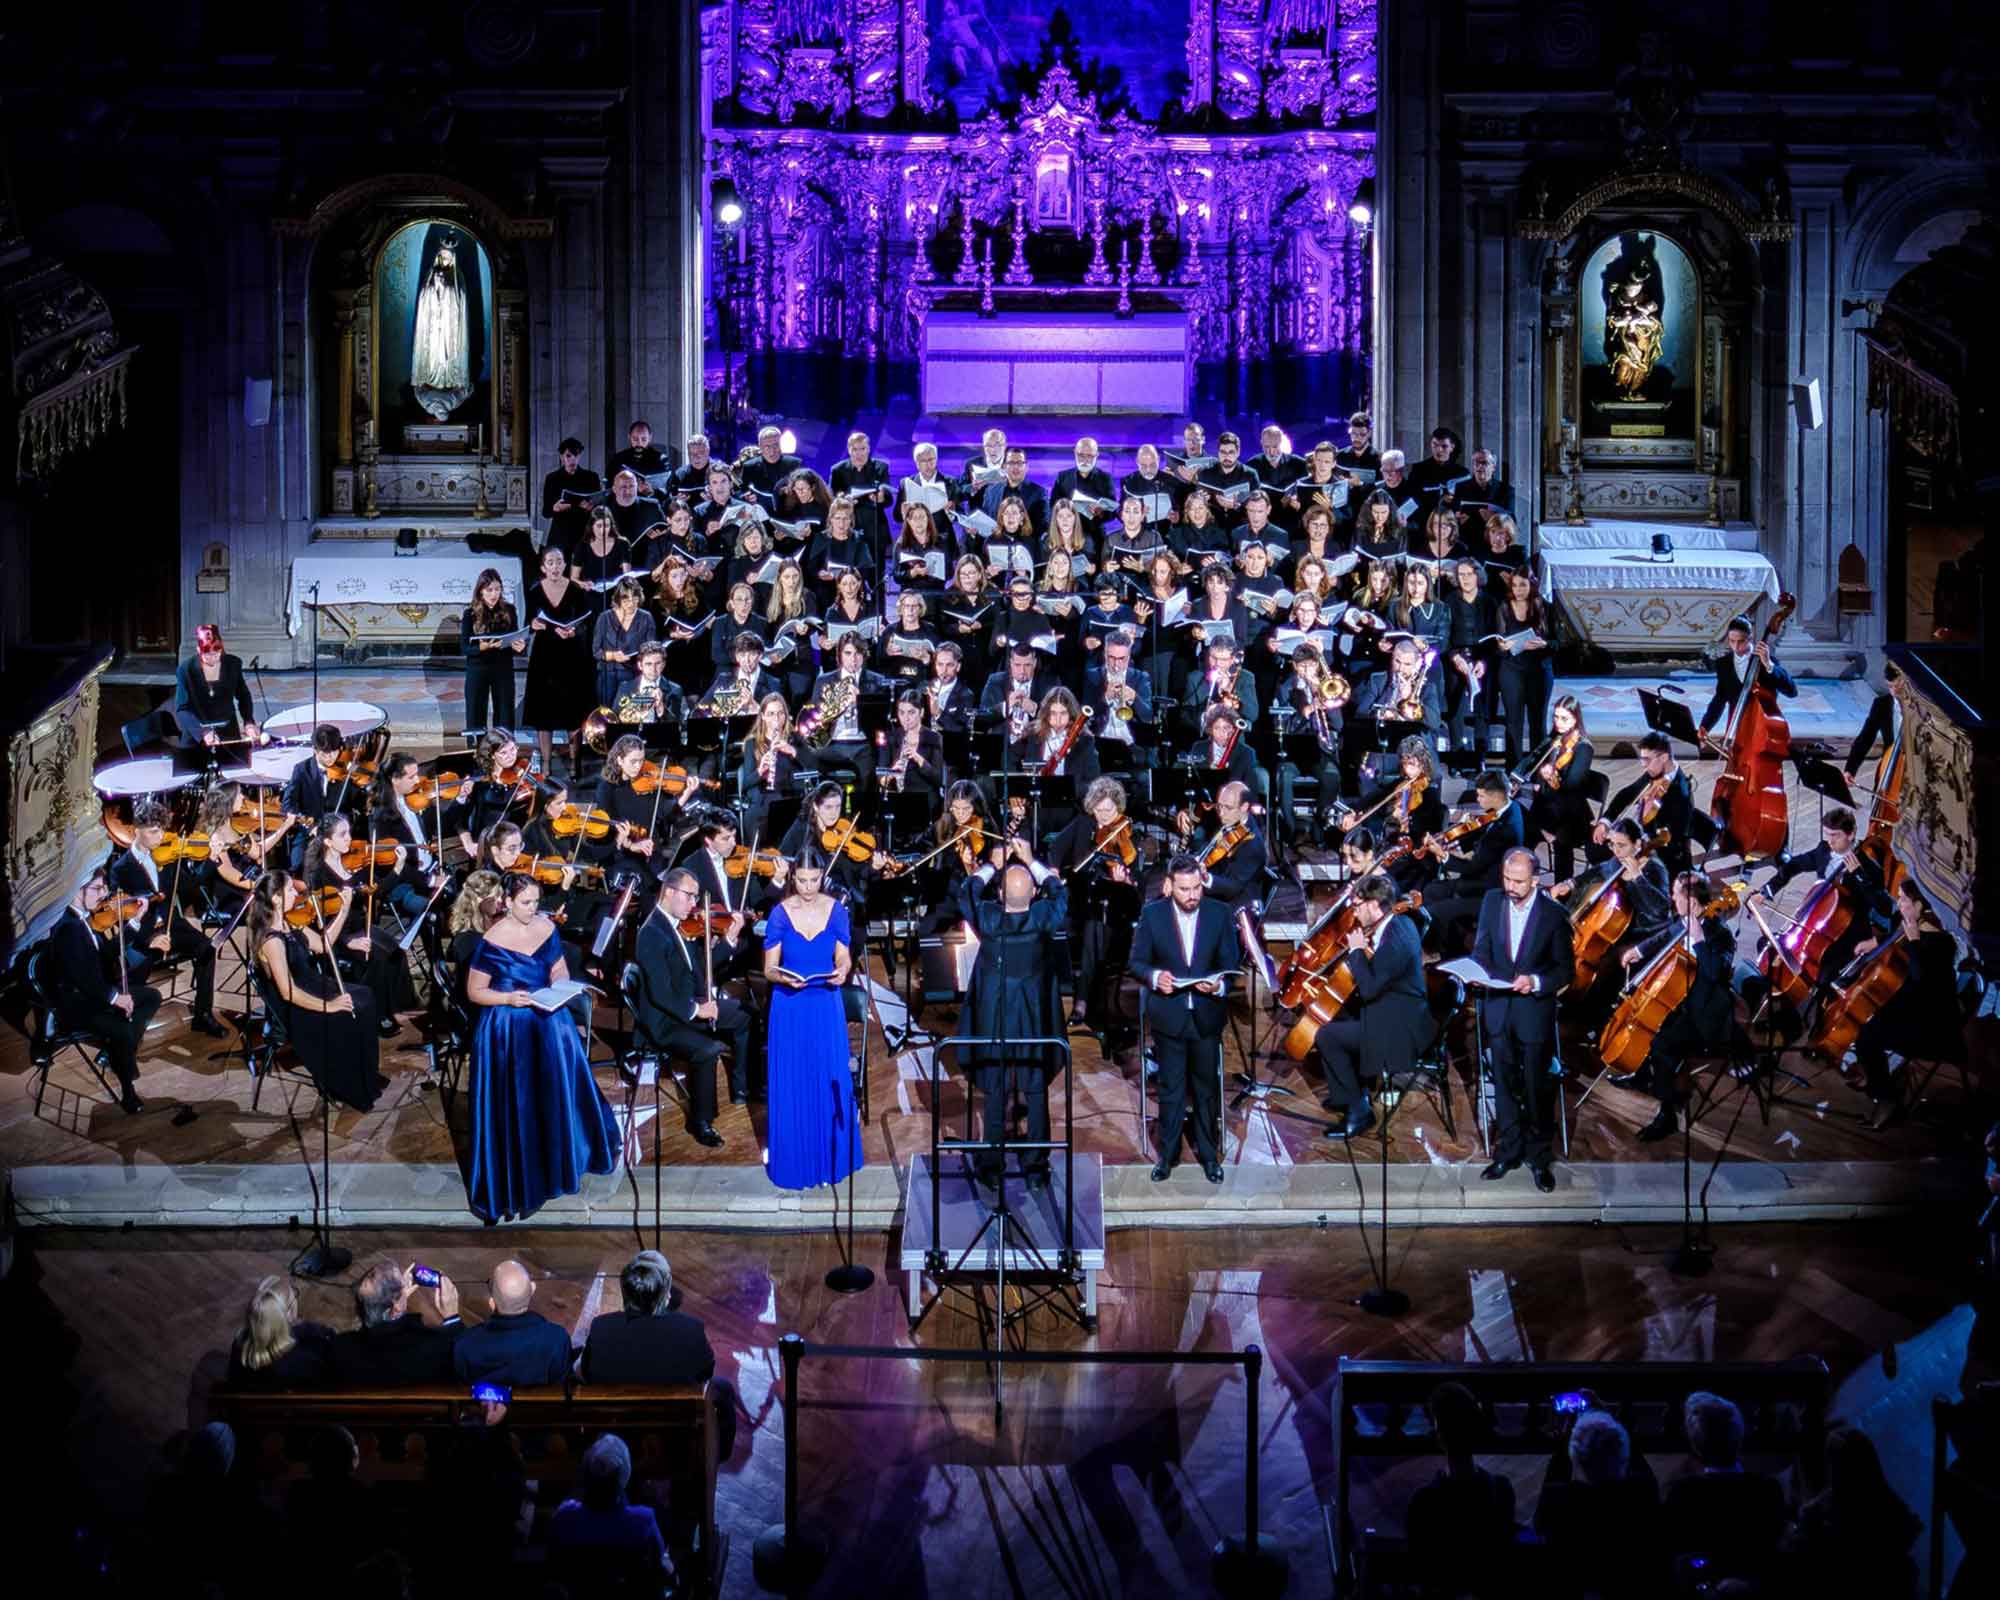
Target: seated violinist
(853,864)
(1470,874)
(418,872)
(490,792)
(1097,857)
(1233,859)
(717,883)
(638,807)
(164,932)
(571,896)
(1701,1022)
(308,791)
(1406,811)
(333,863)
(91,995)
(1559,814)
(235,855)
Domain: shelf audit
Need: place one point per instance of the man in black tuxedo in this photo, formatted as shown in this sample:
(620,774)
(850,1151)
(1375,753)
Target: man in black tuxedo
(1016,993)
(1476,871)
(948,698)
(394,1346)
(1665,803)
(1022,676)
(1184,935)
(676,1012)
(1740,661)
(1234,880)
(651,1343)
(1387,1023)
(306,793)
(516,1347)
(82,983)
(164,931)
(1524,941)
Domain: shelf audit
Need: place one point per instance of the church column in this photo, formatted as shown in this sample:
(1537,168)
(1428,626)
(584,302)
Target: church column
(1816,523)
(571,385)
(343,316)
(1409,203)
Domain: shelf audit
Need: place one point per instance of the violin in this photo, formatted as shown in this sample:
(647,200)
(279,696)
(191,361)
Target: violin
(972,845)
(358,856)
(549,870)
(194,846)
(1224,844)
(349,768)
(844,840)
(1748,801)
(1114,839)
(317,906)
(119,908)
(1323,995)
(437,786)
(743,861)
(1655,994)
(716,922)
(668,780)
(590,822)
(1434,845)
(264,813)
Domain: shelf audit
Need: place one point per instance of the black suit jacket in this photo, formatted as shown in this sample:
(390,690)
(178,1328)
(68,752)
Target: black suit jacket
(1490,845)
(76,969)
(670,983)
(629,1348)
(1546,955)
(1234,880)
(395,1354)
(956,717)
(1157,948)
(993,697)
(1866,880)
(1729,685)
(518,1350)
(305,791)
(1394,1009)
(1140,683)
(1676,809)
(129,876)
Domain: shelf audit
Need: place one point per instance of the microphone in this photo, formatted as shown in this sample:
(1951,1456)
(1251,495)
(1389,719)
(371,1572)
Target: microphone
(256,663)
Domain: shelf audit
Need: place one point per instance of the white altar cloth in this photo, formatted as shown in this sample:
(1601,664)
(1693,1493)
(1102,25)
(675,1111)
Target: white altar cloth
(1725,571)
(1624,534)
(369,572)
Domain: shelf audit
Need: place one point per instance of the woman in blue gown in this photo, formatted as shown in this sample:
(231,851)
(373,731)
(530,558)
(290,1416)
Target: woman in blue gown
(814,1133)
(539,1122)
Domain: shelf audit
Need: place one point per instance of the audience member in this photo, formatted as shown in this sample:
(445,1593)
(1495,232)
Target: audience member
(514,1347)
(273,1349)
(395,1346)
(1599,1511)
(330,1498)
(649,1342)
(1718,1510)
(1460,1525)
(601,1542)
(1854,1536)
(208,1532)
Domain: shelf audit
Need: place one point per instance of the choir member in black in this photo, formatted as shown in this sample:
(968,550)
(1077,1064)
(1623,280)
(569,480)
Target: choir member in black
(372,956)
(1121,695)
(1438,541)
(307,795)
(923,554)
(619,635)
(1660,799)
(641,455)
(1316,543)
(737,620)
(866,482)
(1274,467)
(1019,623)
(1484,494)
(1466,653)
(965,615)
(164,932)
(838,549)
(639,821)
(211,700)
(1061,603)
(803,502)
(1379,533)
(1318,486)
(1921,1020)
(1184,935)
(1107,616)
(680,1012)
(912,753)
(1860,876)
(1473,872)
(602,555)
(684,622)
(560,678)
(743,683)
(330,1024)
(1228,481)
(486,796)
(1316,698)
(566,496)
(904,651)
(489,656)
(1159,652)
(1420,613)
(1701,1022)
(1406,811)
(1088,479)
(1646,891)
(850,609)
(1259,530)
(792,617)
(927,487)
(418,873)
(1223,747)
(1360,455)
(633,514)
(1394,481)
(1233,858)
(1408,695)
(1015,994)
(1527,673)
(1015,692)
(691,479)
(771,464)
(1202,540)
(710,512)
(1739,663)
(838,695)
(1523,941)
(1386,1023)
(1015,484)
(948,698)
(1158,494)
(1218,604)
(1500,551)
(1559,815)
(81,975)
(1441,467)
(1104,901)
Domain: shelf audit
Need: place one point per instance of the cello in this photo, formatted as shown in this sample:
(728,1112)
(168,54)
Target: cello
(1748,801)
(1599,925)
(1791,961)
(1862,988)
(1325,994)
(1656,993)
(1877,843)
(1326,940)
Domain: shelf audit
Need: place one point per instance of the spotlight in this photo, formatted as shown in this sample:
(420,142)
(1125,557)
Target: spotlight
(1361,209)
(788,441)
(728,204)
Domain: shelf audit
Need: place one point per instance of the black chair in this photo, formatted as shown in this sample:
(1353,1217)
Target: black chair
(156,727)
(50,1038)
(1430,1073)
(1597,790)
(451,1024)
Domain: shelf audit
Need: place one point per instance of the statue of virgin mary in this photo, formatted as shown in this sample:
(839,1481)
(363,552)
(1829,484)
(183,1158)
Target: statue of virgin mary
(440,348)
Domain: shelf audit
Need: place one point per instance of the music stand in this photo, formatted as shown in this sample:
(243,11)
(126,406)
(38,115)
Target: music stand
(1823,778)
(1670,716)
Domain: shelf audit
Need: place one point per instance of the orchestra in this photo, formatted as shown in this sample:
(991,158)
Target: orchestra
(1154,684)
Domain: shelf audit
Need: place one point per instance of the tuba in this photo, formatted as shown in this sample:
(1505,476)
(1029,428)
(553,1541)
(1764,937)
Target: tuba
(819,719)
(744,457)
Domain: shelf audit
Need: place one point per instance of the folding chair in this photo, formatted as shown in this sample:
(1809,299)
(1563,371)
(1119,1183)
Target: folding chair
(50,1038)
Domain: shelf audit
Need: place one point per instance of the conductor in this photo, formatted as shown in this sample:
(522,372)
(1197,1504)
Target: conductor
(1181,936)
(1523,941)
(1016,994)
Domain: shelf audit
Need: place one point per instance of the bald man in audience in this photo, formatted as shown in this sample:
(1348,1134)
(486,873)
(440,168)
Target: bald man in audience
(514,1347)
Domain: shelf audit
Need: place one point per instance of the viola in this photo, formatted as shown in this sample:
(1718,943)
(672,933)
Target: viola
(844,840)
(119,908)
(744,862)
(438,786)
(591,823)
(549,870)
(1655,994)
(1748,801)
(1324,995)
(1224,844)
(669,780)
(1863,987)
(315,908)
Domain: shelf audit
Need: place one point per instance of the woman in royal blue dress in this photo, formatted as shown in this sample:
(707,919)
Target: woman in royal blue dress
(814,1134)
(539,1122)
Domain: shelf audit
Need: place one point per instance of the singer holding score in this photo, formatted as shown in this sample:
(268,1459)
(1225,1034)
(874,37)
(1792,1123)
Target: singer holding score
(1184,937)
(814,1131)
(539,1121)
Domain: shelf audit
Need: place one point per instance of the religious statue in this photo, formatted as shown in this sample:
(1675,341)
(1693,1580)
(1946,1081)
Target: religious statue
(441,345)
(1634,332)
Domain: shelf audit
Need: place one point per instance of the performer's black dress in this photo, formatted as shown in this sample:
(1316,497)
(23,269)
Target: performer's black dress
(340,1049)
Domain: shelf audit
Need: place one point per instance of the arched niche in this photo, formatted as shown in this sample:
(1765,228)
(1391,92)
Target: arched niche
(386,445)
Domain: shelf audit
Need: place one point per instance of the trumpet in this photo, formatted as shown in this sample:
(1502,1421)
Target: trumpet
(817,723)
(1119,699)
(1020,712)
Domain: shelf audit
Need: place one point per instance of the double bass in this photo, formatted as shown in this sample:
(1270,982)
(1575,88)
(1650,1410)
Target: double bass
(1656,993)
(1748,801)
(1878,842)
(1324,995)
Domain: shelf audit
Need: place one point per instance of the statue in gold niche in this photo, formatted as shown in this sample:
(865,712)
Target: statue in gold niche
(1634,330)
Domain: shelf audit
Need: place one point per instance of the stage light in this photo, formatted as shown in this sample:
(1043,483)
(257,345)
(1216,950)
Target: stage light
(727,202)
(788,441)
(1361,209)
